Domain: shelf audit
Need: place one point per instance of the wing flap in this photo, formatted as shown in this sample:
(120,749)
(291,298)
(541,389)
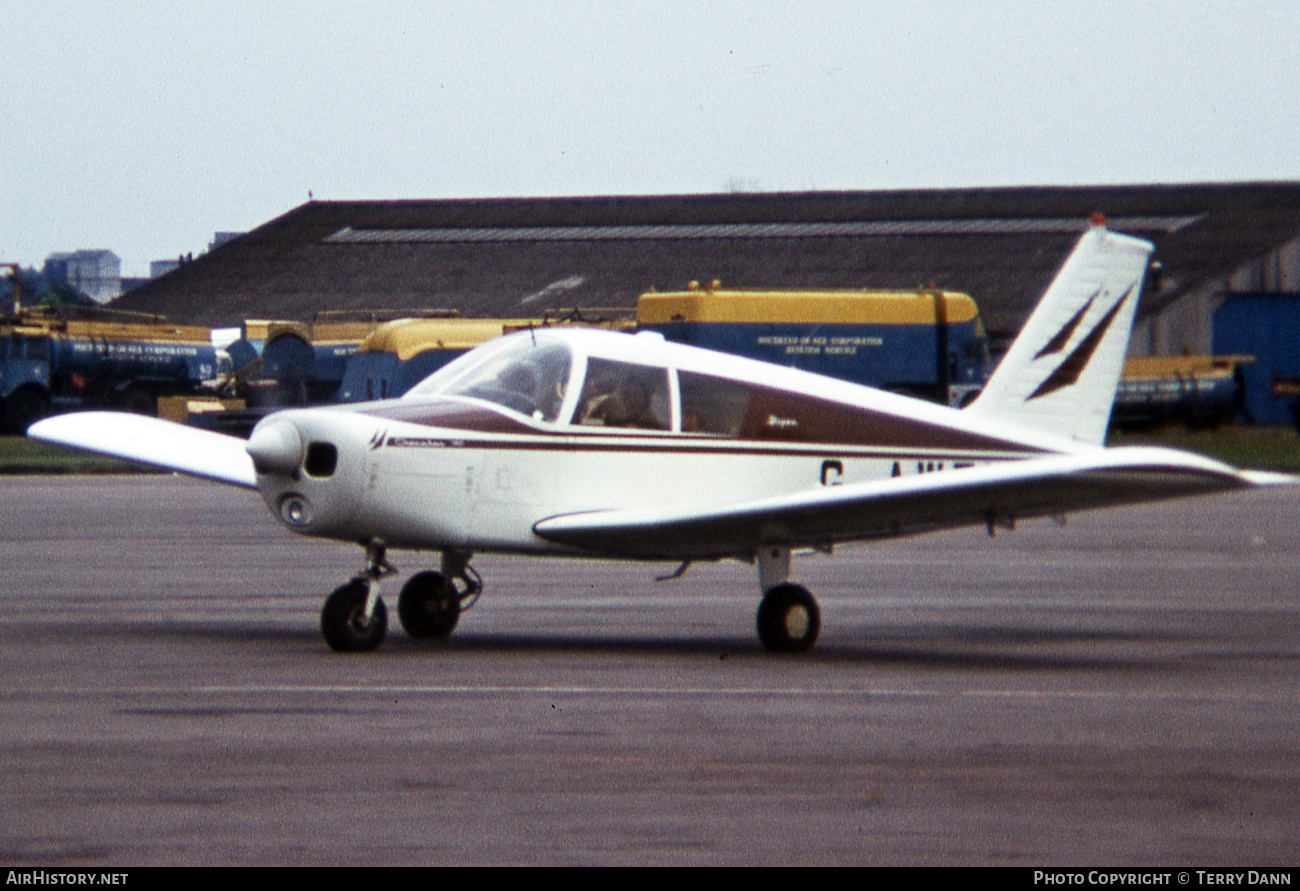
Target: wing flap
(152,441)
(989,494)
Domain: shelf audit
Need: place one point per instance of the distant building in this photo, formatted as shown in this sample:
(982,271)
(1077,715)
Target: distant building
(162,267)
(96,274)
(220,238)
(159,268)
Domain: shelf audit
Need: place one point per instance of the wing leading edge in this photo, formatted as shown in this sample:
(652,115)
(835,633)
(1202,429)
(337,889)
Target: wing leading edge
(152,441)
(991,494)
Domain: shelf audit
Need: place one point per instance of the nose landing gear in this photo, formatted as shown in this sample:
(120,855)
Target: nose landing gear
(354,619)
(345,623)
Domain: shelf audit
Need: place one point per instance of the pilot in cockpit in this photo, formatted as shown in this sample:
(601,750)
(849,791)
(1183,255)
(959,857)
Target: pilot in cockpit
(616,401)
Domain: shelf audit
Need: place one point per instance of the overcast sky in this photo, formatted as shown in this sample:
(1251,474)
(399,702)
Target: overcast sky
(146,127)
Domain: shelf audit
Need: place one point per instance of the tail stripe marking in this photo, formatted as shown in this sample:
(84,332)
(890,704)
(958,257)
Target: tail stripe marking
(1068,372)
(1057,343)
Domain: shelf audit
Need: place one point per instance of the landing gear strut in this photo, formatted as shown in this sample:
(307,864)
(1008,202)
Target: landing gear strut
(354,618)
(431,602)
(788,618)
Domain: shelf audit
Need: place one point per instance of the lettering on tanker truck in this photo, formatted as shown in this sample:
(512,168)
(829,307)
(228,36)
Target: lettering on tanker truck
(819,346)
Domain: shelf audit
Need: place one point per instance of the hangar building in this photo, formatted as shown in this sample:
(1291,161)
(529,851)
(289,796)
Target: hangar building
(519,257)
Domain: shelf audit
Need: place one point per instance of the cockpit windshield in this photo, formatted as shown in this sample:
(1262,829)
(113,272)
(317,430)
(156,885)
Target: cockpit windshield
(530,377)
(531,374)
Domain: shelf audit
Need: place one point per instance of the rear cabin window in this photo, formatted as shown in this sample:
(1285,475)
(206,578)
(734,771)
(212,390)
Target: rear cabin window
(620,394)
(712,404)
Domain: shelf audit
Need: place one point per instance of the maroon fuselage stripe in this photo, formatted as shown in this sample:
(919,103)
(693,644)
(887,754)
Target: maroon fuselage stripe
(805,426)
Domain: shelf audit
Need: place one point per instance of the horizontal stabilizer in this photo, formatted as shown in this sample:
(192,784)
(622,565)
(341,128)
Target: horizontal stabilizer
(152,441)
(997,494)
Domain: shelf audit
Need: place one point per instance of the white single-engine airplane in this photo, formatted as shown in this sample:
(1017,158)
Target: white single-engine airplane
(586,443)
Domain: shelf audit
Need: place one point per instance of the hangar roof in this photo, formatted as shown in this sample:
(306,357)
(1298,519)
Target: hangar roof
(519,257)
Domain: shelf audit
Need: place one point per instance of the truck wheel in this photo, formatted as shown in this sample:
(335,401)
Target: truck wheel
(22,408)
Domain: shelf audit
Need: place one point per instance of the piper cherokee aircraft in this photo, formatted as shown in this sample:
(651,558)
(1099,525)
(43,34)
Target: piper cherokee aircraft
(586,443)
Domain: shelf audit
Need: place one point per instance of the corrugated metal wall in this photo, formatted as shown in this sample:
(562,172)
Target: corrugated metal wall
(1190,324)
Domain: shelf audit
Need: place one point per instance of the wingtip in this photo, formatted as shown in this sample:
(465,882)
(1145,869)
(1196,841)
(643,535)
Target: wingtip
(1270,478)
(50,429)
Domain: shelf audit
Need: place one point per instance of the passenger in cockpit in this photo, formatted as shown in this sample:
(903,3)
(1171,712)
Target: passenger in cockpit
(625,404)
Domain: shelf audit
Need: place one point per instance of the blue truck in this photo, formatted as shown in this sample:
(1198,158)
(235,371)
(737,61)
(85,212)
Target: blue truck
(1199,392)
(61,360)
(927,343)
(924,343)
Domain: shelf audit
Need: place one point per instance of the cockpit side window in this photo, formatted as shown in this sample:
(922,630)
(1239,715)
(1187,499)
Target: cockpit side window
(530,379)
(620,394)
(712,404)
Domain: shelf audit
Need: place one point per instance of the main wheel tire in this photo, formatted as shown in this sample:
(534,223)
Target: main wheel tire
(342,621)
(788,619)
(428,606)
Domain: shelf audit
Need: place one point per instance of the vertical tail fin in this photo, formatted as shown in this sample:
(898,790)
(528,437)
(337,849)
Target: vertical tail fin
(1061,372)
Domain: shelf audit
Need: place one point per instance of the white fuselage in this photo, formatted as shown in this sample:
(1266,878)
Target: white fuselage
(473,474)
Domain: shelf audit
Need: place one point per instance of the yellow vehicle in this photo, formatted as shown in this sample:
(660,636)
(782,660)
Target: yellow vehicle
(399,354)
(928,343)
(283,363)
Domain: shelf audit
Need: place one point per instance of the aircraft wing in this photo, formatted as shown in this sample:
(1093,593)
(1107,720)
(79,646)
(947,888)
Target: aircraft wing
(152,441)
(995,494)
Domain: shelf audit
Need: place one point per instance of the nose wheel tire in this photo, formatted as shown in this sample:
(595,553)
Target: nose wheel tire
(788,619)
(343,620)
(428,606)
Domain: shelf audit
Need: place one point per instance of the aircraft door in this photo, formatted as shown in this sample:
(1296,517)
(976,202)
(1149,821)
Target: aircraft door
(622,394)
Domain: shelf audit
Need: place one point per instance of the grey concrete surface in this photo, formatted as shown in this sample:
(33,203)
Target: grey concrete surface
(1121,691)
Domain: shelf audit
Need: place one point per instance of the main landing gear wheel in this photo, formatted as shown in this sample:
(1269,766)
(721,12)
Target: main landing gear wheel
(431,602)
(428,606)
(788,619)
(343,620)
